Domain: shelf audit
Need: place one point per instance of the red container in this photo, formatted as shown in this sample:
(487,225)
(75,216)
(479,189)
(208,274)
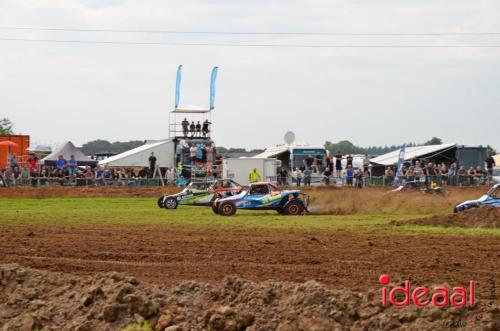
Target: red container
(20,151)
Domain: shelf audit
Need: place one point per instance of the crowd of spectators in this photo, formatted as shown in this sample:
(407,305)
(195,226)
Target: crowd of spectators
(67,172)
(441,174)
(331,171)
(340,170)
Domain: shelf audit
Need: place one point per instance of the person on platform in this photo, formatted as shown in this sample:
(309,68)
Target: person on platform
(185,127)
(205,129)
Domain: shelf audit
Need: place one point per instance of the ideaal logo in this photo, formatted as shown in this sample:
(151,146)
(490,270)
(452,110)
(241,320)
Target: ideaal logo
(423,296)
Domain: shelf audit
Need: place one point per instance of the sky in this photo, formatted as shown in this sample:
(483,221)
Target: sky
(371,96)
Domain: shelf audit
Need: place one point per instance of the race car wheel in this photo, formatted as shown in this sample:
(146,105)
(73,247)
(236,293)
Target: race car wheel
(170,203)
(160,201)
(294,207)
(227,208)
(215,209)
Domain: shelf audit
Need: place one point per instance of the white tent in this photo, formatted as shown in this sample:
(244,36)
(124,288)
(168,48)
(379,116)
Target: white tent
(66,150)
(411,153)
(139,157)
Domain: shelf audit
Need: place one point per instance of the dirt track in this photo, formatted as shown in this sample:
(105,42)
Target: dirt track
(340,260)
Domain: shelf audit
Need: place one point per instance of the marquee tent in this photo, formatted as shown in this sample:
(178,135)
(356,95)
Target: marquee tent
(139,157)
(66,150)
(391,158)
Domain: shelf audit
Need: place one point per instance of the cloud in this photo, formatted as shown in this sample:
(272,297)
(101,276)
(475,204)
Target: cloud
(370,96)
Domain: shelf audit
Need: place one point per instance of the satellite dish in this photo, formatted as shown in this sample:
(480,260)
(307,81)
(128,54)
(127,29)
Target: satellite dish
(289,137)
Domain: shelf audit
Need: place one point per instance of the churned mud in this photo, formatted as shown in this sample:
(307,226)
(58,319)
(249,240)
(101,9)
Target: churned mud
(484,217)
(39,300)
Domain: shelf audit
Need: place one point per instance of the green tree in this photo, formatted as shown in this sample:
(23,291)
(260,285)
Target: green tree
(6,126)
(434,141)
(104,146)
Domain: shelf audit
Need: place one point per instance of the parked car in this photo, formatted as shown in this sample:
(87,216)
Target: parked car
(200,193)
(491,198)
(263,196)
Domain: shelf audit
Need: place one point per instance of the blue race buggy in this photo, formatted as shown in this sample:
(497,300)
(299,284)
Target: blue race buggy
(263,196)
(491,198)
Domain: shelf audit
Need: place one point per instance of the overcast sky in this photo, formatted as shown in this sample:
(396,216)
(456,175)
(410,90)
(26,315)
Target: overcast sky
(370,96)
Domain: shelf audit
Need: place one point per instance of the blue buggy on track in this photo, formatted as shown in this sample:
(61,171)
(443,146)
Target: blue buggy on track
(263,196)
(491,198)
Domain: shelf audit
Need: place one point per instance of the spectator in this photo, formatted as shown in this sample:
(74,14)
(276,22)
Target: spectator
(298,176)
(206,128)
(349,175)
(192,153)
(389,176)
(192,129)
(349,160)
(8,177)
(366,165)
(254,176)
(443,172)
(88,175)
(410,174)
(13,162)
(185,127)
(480,175)
(99,176)
(25,176)
(326,176)
(33,164)
(307,176)
(198,129)
(338,164)
(170,176)
(462,176)
(71,166)
(453,174)
(284,176)
(60,163)
(152,164)
(359,178)
(431,173)
(17,175)
(490,164)
(471,173)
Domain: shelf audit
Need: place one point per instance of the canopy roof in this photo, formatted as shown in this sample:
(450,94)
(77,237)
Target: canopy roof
(139,156)
(66,150)
(193,110)
(411,153)
(272,152)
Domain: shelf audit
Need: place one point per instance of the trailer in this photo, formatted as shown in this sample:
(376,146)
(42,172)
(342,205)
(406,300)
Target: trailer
(238,169)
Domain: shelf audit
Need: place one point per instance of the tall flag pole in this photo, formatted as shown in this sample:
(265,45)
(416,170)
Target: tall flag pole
(178,86)
(212,87)
(401,161)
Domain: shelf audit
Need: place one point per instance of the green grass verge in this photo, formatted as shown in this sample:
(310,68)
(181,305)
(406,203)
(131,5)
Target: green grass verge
(141,212)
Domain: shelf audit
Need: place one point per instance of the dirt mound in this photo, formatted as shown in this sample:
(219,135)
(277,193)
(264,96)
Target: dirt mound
(484,217)
(86,191)
(33,299)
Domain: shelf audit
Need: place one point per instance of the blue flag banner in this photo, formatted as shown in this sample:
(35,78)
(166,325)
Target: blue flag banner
(178,86)
(212,86)
(401,161)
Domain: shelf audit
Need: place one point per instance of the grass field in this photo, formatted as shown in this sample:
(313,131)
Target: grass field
(139,212)
(347,250)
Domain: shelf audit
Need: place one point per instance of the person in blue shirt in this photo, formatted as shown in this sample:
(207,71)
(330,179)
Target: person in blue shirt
(60,163)
(71,165)
(349,174)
